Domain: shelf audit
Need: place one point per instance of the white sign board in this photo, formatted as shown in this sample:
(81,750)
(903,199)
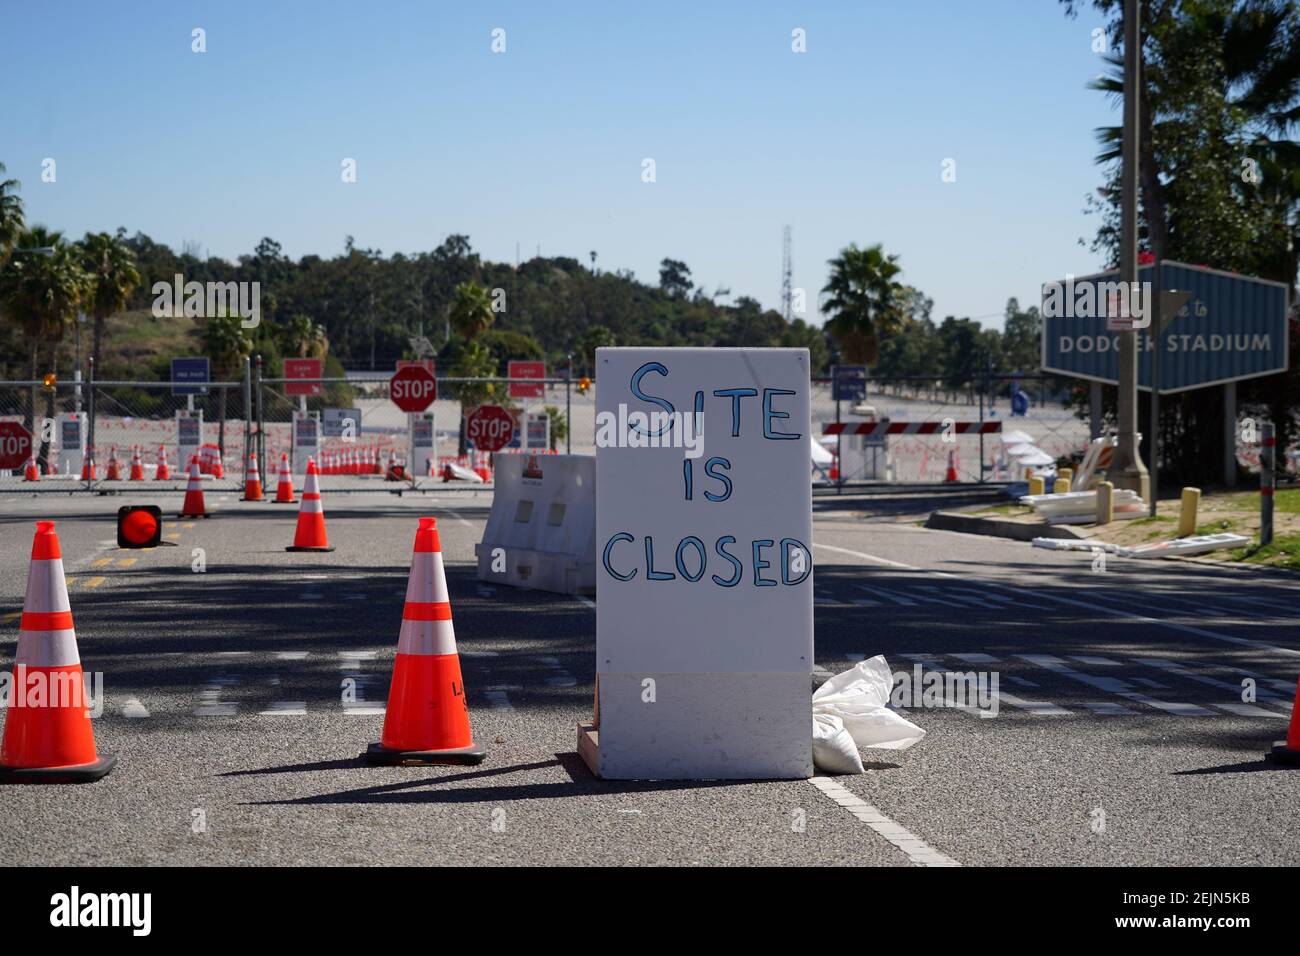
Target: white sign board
(72,443)
(336,422)
(704,566)
(424,454)
(306,441)
(189,436)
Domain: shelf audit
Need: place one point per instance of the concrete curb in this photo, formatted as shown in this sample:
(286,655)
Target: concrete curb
(1001,527)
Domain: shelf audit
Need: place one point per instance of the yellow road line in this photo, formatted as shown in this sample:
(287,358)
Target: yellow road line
(127,562)
(94,582)
(173,536)
(188,524)
(100,562)
(11,617)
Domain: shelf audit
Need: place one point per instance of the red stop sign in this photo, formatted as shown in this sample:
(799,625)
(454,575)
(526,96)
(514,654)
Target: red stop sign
(15,445)
(413,388)
(489,427)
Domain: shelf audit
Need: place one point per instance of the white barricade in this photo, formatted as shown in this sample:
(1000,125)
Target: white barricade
(541,532)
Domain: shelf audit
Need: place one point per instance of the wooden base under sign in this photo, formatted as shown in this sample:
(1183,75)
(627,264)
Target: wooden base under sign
(589,747)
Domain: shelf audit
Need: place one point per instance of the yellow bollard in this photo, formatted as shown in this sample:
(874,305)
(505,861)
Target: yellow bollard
(1037,485)
(1105,502)
(1067,474)
(1187,514)
(1062,486)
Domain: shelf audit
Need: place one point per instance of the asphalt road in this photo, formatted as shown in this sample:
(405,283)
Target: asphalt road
(1121,736)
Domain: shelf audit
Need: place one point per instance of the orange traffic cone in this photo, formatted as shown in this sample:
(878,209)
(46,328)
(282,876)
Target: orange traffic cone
(252,481)
(1288,751)
(51,464)
(427,717)
(114,467)
(137,466)
(951,473)
(50,741)
(310,535)
(164,472)
(193,504)
(284,487)
(32,473)
(88,468)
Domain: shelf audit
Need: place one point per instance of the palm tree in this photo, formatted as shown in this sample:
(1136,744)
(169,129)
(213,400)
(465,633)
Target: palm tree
(114,276)
(863,299)
(11,215)
(226,342)
(471,310)
(302,337)
(475,360)
(41,292)
(596,337)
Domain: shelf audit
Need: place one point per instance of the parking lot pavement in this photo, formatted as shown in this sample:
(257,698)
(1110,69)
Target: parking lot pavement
(239,696)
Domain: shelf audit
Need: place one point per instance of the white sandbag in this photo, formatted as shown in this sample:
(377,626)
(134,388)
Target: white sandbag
(851,711)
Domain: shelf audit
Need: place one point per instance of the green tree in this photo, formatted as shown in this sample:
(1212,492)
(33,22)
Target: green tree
(1021,338)
(596,337)
(862,299)
(471,310)
(41,293)
(11,215)
(302,338)
(675,278)
(559,425)
(226,342)
(111,265)
(474,360)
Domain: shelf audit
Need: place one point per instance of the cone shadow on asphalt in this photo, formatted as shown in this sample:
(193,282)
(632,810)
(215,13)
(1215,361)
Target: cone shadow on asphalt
(580,783)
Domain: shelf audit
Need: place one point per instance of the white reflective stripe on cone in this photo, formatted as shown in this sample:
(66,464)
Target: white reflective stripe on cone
(310,505)
(427,584)
(427,638)
(47,648)
(47,591)
(310,487)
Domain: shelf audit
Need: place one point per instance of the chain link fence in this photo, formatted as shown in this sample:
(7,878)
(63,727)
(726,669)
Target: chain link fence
(1037,407)
(254,415)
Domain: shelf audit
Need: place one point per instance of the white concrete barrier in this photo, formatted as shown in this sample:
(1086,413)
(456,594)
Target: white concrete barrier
(541,532)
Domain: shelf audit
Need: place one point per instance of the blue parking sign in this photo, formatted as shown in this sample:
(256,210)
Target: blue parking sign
(189,370)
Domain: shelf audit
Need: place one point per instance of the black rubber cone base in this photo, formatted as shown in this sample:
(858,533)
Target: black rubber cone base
(295,548)
(1281,753)
(206,514)
(81,773)
(379,754)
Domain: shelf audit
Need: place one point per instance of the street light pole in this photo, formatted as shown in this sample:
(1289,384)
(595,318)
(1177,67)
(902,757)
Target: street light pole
(1128,469)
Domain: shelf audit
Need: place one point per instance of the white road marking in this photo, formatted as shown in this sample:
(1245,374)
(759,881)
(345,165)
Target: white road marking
(821,673)
(291,655)
(1114,685)
(1033,706)
(1091,606)
(976,658)
(1250,710)
(916,849)
(479,653)
(1094,661)
(131,707)
(887,595)
(863,602)
(586,600)
(1107,708)
(1019,681)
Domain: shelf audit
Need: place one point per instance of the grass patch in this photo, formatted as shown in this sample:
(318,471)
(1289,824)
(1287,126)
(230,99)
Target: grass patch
(1283,552)
(1150,519)
(1218,527)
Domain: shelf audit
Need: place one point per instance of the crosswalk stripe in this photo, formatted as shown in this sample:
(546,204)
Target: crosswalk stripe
(1033,706)
(976,658)
(1107,708)
(887,595)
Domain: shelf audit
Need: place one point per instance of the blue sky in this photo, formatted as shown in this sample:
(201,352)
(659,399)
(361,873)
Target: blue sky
(542,145)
